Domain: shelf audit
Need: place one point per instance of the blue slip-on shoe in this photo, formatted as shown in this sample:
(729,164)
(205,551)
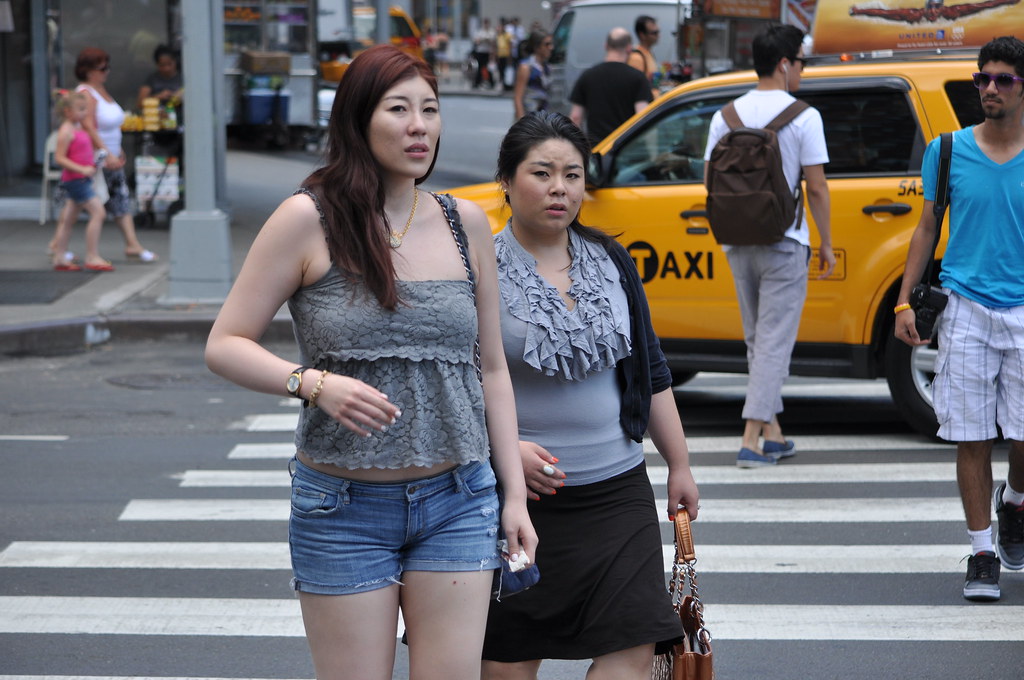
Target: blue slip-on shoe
(779,449)
(752,459)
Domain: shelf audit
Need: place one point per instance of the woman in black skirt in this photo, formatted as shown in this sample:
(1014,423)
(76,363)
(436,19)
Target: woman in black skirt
(590,379)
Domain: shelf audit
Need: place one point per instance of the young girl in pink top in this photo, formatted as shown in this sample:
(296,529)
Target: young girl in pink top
(74,153)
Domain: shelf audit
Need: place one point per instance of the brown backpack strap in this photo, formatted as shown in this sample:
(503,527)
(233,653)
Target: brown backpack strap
(788,114)
(731,118)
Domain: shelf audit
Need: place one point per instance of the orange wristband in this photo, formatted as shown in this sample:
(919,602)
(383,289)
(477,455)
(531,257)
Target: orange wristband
(901,308)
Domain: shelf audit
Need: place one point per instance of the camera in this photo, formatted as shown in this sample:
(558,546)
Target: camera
(928,302)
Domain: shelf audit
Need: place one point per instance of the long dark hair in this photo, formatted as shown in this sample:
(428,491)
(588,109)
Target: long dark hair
(349,184)
(536,128)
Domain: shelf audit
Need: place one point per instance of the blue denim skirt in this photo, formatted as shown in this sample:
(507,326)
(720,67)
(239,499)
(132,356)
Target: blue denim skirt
(349,536)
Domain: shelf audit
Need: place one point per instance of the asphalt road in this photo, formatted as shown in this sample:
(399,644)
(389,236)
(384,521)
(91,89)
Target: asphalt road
(141,506)
(142,531)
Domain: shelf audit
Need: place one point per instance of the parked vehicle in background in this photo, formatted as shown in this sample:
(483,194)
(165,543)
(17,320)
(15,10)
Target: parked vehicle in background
(646,183)
(580,31)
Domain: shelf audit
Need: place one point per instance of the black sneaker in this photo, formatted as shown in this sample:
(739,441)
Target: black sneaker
(982,584)
(1010,545)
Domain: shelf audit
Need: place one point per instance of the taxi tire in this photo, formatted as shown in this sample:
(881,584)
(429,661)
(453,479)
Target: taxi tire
(906,371)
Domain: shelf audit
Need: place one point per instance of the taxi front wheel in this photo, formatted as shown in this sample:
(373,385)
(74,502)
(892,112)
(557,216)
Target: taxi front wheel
(910,372)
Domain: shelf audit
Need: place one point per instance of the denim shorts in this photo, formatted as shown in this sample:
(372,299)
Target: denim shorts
(349,536)
(79,190)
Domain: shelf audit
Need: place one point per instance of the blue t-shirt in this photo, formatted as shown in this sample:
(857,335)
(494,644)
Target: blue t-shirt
(986,217)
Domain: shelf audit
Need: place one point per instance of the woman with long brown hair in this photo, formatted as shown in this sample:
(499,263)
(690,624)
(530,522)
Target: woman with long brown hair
(407,401)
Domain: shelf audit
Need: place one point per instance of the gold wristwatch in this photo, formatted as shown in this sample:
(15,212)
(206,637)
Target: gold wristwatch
(294,382)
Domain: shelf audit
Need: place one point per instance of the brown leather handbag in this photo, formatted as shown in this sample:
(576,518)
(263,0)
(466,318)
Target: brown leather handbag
(690,659)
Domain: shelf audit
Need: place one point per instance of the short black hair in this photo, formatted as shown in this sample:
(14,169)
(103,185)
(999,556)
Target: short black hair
(164,51)
(640,27)
(1006,49)
(772,45)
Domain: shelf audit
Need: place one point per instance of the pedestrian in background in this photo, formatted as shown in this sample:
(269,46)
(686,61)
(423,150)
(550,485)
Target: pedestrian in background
(979,371)
(407,402)
(503,52)
(642,56)
(165,83)
(103,123)
(590,379)
(533,76)
(771,280)
(484,41)
(608,94)
(74,153)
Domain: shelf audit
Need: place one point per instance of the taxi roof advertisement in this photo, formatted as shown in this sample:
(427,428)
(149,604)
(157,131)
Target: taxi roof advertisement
(869,25)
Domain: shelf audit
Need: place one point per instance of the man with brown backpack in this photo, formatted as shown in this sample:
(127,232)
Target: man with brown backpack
(768,248)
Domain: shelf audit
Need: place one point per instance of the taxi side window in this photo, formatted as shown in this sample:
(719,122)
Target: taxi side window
(868,131)
(670,149)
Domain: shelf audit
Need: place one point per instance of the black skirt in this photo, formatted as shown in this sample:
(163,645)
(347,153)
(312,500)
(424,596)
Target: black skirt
(602,587)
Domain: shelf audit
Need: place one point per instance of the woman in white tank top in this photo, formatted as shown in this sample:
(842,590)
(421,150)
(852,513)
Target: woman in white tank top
(103,123)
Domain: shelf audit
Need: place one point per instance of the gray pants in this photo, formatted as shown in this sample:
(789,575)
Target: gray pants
(771,285)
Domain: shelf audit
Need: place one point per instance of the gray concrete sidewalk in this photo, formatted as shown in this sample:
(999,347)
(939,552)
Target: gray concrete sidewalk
(128,303)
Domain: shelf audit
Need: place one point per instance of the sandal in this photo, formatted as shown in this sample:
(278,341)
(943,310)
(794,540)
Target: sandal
(66,267)
(146,256)
(104,267)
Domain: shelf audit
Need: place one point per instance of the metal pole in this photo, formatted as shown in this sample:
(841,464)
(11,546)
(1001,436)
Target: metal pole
(383,36)
(200,237)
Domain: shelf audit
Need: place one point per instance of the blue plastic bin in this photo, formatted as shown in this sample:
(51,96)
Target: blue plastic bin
(258,105)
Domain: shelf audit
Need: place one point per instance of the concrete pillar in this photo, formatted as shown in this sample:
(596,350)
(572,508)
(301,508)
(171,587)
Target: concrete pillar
(200,259)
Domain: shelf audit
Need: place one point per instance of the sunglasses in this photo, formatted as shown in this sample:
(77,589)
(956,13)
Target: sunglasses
(104,68)
(1004,81)
(654,32)
(803,62)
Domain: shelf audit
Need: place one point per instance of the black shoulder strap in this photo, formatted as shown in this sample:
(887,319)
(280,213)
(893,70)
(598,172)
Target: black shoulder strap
(788,114)
(941,197)
(942,181)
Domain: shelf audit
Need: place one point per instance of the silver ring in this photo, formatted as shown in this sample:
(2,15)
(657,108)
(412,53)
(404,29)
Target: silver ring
(548,470)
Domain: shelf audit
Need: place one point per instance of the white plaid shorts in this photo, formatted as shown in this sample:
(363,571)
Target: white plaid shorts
(979,371)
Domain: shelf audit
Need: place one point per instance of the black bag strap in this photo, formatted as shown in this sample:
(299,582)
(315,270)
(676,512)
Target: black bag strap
(941,197)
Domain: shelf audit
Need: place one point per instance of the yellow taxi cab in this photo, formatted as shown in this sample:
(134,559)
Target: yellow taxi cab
(645,183)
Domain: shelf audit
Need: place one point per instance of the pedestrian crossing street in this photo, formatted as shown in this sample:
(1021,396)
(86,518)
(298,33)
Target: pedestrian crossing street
(819,488)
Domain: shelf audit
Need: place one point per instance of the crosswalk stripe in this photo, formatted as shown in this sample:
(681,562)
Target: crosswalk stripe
(281,618)
(145,555)
(746,510)
(151,616)
(723,559)
(121,677)
(865,622)
(697,444)
(840,473)
(261,451)
(872,473)
(827,559)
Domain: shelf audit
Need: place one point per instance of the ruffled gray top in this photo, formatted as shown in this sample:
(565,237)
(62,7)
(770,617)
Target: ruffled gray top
(592,338)
(422,355)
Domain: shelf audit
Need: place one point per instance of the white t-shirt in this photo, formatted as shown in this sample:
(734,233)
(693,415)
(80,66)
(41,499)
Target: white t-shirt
(802,142)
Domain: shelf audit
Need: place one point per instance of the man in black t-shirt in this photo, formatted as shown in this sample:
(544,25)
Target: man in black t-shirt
(608,94)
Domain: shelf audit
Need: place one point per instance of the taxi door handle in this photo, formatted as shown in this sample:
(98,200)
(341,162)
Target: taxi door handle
(892,208)
(689,214)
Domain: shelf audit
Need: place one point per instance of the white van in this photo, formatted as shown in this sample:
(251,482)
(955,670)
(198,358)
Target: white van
(582,26)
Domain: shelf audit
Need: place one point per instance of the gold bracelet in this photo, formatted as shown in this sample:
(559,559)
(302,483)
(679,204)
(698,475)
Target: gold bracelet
(316,390)
(901,308)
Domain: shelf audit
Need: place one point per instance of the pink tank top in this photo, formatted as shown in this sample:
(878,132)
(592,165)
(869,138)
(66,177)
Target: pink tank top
(79,151)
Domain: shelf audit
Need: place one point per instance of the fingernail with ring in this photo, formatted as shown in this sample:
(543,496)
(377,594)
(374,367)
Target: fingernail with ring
(548,470)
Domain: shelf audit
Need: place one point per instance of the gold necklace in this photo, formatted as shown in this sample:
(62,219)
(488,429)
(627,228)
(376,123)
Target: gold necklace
(396,239)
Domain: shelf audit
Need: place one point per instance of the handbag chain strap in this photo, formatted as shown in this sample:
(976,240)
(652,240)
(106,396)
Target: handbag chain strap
(684,577)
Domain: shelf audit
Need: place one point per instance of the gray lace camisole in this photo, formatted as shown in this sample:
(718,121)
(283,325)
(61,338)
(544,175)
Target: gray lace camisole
(423,355)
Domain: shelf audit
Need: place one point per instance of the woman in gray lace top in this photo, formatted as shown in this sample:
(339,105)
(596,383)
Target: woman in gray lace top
(590,379)
(406,397)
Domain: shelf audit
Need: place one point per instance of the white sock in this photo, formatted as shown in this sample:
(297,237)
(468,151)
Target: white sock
(1011,496)
(981,540)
